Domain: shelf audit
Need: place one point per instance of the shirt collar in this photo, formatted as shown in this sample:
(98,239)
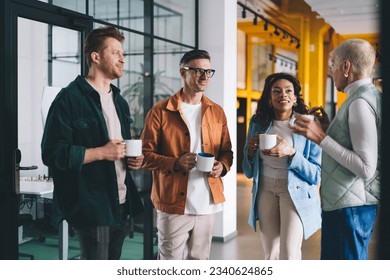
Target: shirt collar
(351,88)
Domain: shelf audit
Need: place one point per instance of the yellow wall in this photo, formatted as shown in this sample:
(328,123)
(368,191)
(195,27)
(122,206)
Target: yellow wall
(317,40)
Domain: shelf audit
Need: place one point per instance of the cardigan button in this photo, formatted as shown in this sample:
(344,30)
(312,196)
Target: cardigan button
(182,193)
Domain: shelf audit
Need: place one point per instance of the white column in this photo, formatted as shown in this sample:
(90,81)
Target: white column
(218,35)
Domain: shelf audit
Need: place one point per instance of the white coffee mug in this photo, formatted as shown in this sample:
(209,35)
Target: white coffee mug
(310,117)
(204,162)
(267,141)
(293,118)
(133,147)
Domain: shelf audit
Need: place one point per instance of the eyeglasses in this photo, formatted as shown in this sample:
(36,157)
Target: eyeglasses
(199,72)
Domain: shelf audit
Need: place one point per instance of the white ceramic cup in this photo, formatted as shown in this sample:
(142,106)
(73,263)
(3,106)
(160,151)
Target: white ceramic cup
(204,162)
(133,147)
(293,118)
(310,117)
(267,141)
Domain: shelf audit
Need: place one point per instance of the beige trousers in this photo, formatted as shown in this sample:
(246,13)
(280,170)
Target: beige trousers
(280,226)
(182,237)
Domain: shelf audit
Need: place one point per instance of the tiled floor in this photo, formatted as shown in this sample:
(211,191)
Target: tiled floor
(247,246)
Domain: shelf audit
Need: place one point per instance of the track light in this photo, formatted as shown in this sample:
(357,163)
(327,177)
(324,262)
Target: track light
(266,26)
(243,14)
(277,30)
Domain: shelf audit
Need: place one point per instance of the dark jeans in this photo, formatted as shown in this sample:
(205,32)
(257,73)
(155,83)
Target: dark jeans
(346,232)
(103,242)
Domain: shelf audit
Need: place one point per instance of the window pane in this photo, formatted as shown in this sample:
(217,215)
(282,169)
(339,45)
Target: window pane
(104,10)
(132,81)
(131,13)
(286,61)
(44,53)
(166,69)
(175,20)
(74,5)
(66,56)
(261,65)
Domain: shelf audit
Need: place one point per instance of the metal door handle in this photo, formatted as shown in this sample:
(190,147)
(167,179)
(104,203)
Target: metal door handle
(32,167)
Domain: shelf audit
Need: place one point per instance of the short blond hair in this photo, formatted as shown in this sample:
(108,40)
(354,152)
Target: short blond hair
(359,52)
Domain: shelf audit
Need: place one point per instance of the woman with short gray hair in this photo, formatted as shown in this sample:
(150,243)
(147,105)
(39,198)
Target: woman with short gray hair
(350,187)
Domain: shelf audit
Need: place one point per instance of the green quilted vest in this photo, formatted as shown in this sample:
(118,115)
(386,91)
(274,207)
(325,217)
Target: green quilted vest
(340,187)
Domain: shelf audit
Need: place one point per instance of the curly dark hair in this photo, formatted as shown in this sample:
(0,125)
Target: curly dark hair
(265,112)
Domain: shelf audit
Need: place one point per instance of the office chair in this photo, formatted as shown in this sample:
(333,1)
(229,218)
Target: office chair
(23,220)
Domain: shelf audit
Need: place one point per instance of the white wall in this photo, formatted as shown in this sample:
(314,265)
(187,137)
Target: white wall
(32,75)
(218,35)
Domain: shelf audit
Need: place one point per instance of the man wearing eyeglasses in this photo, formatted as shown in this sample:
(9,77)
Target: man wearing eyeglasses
(176,129)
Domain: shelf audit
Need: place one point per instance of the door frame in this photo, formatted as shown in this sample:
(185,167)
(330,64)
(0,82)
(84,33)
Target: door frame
(45,13)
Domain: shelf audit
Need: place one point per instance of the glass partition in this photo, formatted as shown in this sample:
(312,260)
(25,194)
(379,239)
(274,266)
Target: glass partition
(175,20)
(166,64)
(74,5)
(129,14)
(261,65)
(132,81)
(47,55)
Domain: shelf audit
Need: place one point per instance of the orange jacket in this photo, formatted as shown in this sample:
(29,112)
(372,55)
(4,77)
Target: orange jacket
(166,137)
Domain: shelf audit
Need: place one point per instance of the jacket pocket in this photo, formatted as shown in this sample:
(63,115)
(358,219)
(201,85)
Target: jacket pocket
(168,189)
(86,131)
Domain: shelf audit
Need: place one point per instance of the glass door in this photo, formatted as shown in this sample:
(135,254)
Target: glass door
(49,58)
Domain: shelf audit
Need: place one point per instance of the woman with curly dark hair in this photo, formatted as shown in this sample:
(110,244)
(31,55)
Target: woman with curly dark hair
(285,177)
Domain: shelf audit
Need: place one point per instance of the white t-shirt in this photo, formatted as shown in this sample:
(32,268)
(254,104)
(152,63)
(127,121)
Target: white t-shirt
(275,167)
(199,200)
(114,132)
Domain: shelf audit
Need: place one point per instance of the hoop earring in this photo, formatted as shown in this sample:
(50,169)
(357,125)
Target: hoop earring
(346,75)
(295,104)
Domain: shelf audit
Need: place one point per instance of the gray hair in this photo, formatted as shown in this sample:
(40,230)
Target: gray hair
(359,52)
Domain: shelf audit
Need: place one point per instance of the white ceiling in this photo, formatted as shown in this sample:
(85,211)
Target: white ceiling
(349,16)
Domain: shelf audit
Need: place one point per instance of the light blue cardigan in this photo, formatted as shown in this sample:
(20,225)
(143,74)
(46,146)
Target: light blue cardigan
(304,173)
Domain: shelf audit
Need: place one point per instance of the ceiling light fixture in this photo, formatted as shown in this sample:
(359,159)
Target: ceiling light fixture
(243,14)
(277,30)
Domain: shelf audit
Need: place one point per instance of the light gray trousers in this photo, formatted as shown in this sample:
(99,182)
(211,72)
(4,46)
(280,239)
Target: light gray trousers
(182,237)
(280,226)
